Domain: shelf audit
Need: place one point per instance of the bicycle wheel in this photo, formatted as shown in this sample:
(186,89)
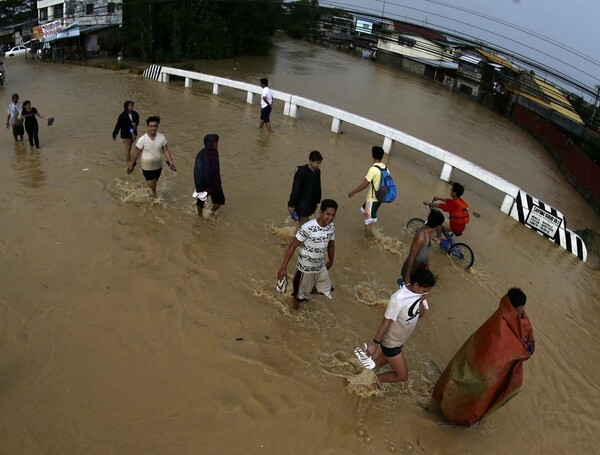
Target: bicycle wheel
(414,224)
(462,255)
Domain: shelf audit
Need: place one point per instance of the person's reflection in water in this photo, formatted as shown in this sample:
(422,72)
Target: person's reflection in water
(29,167)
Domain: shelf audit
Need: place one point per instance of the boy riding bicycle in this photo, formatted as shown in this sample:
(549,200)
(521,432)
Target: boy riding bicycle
(457,208)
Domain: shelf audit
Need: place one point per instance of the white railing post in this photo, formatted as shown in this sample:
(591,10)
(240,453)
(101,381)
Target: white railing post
(250,98)
(387,144)
(446,172)
(507,204)
(336,125)
(294,110)
(216,89)
(164,77)
(188,82)
(286,108)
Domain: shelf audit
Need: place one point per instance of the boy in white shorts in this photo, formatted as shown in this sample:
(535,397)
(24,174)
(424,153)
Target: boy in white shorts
(312,272)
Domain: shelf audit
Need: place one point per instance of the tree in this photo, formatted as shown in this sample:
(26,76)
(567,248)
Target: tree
(302,18)
(171,30)
(16,11)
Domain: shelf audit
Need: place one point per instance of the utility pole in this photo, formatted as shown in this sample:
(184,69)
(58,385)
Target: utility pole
(595,113)
(152,47)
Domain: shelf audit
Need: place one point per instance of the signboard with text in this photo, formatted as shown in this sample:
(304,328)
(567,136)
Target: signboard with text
(547,221)
(543,221)
(55,30)
(364,26)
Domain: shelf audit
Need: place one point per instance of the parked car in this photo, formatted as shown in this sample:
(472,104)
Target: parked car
(18,50)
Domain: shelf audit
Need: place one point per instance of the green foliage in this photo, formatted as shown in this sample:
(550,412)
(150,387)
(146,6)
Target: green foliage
(15,11)
(591,147)
(302,18)
(201,29)
(112,42)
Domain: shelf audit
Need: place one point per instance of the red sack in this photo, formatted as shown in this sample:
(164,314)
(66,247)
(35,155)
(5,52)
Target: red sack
(487,371)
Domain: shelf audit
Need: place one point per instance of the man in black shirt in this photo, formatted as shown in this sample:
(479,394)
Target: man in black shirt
(306,189)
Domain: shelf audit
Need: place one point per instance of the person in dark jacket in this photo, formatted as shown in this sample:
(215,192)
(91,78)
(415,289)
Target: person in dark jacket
(306,189)
(207,175)
(127,123)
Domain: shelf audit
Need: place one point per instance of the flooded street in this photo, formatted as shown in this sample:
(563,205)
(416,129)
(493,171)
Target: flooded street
(133,326)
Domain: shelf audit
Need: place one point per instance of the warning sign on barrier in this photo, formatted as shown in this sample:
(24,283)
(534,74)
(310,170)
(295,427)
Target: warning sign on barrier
(543,221)
(549,222)
(153,72)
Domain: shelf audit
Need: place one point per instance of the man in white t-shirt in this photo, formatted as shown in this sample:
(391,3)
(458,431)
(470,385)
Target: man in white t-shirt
(406,306)
(14,111)
(266,104)
(151,146)
(312,272)
(372,180)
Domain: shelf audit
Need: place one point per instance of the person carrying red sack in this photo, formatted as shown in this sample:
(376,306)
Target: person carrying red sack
(487,371)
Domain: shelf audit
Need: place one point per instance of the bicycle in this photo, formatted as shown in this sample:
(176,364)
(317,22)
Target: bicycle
(461,254)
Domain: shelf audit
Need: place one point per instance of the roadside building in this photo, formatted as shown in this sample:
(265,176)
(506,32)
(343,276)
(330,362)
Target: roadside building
(16,34)
(418,50)
(75,29)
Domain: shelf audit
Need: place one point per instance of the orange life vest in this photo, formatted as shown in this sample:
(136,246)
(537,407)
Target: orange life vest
(460,216)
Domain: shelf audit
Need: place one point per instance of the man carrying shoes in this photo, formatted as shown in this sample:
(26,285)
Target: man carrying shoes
(312,272)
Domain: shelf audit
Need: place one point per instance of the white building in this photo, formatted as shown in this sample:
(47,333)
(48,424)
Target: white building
(94,17)
(419,50)
(86,12)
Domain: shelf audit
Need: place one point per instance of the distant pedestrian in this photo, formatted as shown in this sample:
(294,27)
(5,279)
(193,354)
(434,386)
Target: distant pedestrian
(127,124)
(372,180)
(306,189)
(312,272)
(266,104)
(14,111)
(151,146)
(28,116)
(207,175)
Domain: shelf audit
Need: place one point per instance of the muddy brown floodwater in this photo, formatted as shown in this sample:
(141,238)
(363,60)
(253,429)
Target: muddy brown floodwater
(130,326)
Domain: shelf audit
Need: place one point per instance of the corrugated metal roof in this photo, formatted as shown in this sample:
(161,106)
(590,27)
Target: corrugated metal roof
(427,33)
(494,58)
(470,59)
(556,101)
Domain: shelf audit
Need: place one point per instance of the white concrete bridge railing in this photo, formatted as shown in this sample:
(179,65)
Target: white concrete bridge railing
(293,104)
(392,135)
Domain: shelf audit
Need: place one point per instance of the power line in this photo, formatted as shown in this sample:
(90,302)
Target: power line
(475,39)
(521,29)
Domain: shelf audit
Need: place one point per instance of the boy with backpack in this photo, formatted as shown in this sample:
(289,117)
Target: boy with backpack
(382,189)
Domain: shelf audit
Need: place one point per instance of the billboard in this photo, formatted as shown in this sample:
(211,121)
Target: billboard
(54,30)
(364,26)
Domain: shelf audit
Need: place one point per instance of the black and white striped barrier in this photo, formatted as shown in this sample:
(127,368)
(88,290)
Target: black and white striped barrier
(153,72)
(547,221)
